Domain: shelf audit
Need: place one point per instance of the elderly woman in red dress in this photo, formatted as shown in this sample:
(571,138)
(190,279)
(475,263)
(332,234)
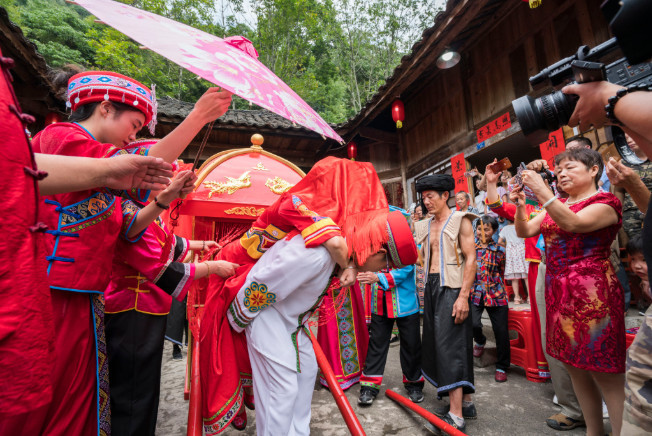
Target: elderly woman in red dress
(585,325)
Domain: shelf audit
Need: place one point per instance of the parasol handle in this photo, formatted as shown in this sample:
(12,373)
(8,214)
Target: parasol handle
(342,402)
(203,145)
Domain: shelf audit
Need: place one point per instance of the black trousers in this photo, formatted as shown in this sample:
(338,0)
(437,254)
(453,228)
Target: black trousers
(409,333)
(447,358)
(498,316)
(135,351)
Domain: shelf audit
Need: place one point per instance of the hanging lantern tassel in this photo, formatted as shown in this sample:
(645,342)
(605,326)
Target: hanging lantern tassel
(534,3)
(352,150)
(398,113)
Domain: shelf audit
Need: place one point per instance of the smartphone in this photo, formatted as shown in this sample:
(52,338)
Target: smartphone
(609,152)
(501,165)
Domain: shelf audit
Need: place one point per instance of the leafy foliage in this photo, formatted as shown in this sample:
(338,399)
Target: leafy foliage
(335,55)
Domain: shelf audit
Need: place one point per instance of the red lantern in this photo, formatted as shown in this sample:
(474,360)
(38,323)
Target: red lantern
(51,118)
(398,113)
(352,150)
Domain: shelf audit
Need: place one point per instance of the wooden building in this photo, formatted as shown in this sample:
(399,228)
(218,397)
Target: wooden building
(31,75)
(502,43)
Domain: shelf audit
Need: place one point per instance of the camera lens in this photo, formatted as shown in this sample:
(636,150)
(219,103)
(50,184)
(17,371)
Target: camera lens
(540,116)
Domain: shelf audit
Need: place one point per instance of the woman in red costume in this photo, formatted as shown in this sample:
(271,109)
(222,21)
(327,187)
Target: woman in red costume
(26,324)
(337,197)
(108,110)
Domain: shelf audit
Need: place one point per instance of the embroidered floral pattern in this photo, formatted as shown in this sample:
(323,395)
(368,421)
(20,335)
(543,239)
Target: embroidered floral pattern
(584,300)
(258,297)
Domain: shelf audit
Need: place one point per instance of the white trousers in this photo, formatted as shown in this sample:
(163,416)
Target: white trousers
(283,396)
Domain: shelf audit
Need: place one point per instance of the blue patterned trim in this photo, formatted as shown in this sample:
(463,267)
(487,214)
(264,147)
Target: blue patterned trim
(447,388)
(60,233)
(81,291)
(59,259)
(85,130)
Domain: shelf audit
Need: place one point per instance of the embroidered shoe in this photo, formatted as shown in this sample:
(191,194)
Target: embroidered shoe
(468,412)
(249,401)
(415,394)
(367,397)
(500,376)
(562,422)
(240,421)
(478,350)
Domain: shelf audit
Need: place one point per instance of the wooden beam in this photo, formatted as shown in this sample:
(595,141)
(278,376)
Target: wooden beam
(378,135)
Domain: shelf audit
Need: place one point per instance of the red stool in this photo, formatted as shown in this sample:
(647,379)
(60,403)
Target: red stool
(629,338)
(522,348)
(510,291)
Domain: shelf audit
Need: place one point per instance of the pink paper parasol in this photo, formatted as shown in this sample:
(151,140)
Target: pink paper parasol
(231,64)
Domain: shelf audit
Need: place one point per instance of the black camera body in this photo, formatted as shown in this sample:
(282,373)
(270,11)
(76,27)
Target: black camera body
(545,114)
(630,21)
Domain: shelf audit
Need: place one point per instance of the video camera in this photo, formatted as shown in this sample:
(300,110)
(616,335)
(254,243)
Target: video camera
(631,22)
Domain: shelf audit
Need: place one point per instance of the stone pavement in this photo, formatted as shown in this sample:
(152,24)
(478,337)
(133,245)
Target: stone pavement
(517,407)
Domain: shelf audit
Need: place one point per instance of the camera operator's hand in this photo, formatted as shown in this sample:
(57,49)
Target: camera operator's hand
(593,98)
(538,165)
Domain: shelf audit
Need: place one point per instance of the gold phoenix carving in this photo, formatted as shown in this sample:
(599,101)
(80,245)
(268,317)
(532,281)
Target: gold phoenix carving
(278,186)
(230,186)
(260,167)
(245,210)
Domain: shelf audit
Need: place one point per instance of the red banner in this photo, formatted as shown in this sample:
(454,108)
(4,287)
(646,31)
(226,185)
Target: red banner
(496,126)
(458,168)
(552,147)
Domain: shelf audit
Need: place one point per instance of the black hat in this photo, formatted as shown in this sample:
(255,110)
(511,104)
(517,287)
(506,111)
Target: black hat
(436,182)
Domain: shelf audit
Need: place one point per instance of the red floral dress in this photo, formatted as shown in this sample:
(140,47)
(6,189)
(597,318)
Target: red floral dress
(584,300)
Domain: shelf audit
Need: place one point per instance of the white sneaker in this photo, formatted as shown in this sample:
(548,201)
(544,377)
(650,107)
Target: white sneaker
(555,401)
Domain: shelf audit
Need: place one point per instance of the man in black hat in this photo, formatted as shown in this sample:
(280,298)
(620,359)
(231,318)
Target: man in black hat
(449,252)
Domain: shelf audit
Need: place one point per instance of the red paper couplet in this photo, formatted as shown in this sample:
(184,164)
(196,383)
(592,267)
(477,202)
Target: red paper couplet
(496,126)
(552,147)
(458,167)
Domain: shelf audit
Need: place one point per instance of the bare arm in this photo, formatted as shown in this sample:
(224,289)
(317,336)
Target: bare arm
(339,252)
(591,218)
(633,110)
(467,244)
(73,173)
(182,184)
(525,228)
(212,105)
(626,179)
(195,245)
(222,268)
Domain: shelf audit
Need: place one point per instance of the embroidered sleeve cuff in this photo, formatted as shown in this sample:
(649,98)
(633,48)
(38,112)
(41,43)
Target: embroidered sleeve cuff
(386,281)
(129,219)
(495,204)
(238,320)
(320,232)
(181,248)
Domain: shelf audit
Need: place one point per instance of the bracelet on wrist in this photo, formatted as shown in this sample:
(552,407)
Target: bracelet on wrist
(548,203)
(351,267)
(611,101)
(162,206)
(208,268)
